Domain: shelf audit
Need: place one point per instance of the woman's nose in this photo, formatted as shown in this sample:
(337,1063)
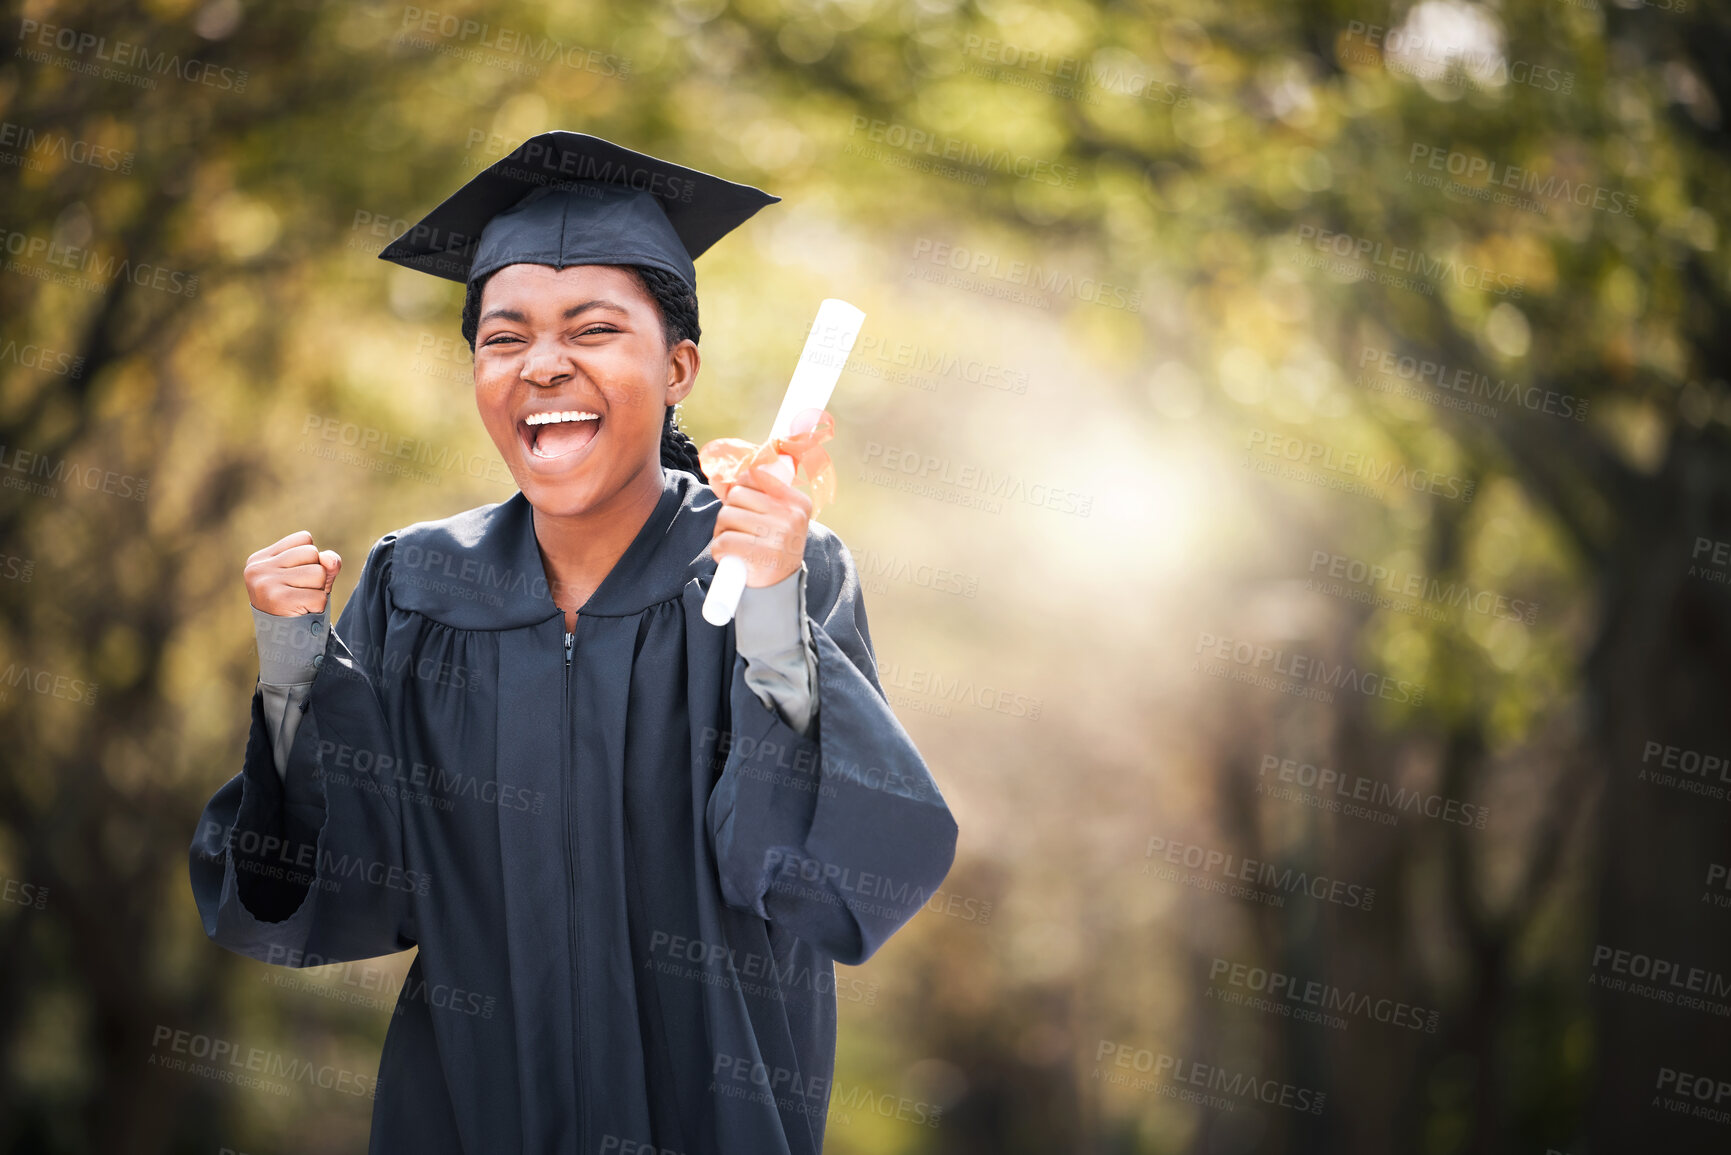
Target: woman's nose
(547,367)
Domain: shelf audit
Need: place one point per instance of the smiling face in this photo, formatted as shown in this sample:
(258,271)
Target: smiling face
(573,377)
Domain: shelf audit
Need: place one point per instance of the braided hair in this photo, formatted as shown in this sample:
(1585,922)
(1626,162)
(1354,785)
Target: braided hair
(678,306)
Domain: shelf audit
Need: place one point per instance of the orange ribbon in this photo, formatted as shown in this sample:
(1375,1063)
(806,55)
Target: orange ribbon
(725,458)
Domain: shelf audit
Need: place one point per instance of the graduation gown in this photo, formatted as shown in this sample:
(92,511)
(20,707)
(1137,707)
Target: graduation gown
(627,877)
(771,630)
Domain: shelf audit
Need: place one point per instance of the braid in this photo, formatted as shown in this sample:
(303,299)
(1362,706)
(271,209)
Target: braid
(678,451)
(678,305)
(472,310)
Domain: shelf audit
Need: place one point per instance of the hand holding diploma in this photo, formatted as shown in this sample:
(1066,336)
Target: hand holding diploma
(761,530)
(764,520)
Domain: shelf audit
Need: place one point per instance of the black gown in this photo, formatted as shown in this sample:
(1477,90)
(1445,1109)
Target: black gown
(627,877)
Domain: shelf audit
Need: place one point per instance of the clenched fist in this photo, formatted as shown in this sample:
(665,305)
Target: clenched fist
(291,577)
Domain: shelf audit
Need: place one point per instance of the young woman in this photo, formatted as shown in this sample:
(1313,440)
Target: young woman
(629,845)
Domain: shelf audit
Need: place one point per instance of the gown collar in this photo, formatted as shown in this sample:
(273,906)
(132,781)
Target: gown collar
(481,569)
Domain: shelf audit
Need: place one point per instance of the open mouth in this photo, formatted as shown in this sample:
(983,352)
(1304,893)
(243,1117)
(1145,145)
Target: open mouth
(558,435)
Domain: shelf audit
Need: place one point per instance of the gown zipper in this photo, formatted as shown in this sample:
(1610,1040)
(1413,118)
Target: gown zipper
(571,880)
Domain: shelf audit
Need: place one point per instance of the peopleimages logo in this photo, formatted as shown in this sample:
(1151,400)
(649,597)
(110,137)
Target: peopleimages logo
(521,50)
(988,267)
(1328,567)
(890,463)
(40,474)
(1117,72)
(1399,258)
(1283,665)
(35,148)
(1472,384)
(1332,789)
(1444,60)
(31,356)
(1363,466)
(85,269)
(1170,1070)
(1310,1000)
(966,153)
(1661,980)
(123,54)
(230,1062)
(755,973)
(1472,168)
(1256,872)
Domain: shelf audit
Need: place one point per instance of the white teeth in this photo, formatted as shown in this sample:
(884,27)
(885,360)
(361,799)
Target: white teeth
(564,415)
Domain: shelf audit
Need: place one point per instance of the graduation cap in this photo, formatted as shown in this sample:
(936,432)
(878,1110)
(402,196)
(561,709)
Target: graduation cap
(567,198)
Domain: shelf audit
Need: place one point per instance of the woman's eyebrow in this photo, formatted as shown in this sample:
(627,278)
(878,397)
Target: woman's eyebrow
(573,311)
(576,310)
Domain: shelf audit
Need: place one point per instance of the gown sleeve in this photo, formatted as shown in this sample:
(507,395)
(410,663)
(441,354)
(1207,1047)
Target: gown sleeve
(773,635)
(287,867)
(287,645)
(841,836)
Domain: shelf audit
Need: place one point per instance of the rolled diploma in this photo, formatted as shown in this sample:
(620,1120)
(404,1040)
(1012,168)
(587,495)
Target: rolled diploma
(827,348)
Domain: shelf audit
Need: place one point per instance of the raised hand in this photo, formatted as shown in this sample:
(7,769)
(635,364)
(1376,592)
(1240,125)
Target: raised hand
(292,576)
(763,521)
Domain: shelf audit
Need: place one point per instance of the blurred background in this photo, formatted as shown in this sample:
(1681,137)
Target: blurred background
(1286,460)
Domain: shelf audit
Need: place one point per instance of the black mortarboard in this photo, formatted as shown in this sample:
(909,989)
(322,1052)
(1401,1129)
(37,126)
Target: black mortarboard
(567,198)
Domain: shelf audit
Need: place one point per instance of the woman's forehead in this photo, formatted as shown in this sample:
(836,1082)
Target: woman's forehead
(547,286)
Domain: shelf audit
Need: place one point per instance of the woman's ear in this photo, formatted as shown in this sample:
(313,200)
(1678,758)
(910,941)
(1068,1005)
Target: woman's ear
(683,361)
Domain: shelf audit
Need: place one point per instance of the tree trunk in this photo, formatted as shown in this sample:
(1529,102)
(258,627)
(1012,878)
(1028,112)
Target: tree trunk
(1660,680)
